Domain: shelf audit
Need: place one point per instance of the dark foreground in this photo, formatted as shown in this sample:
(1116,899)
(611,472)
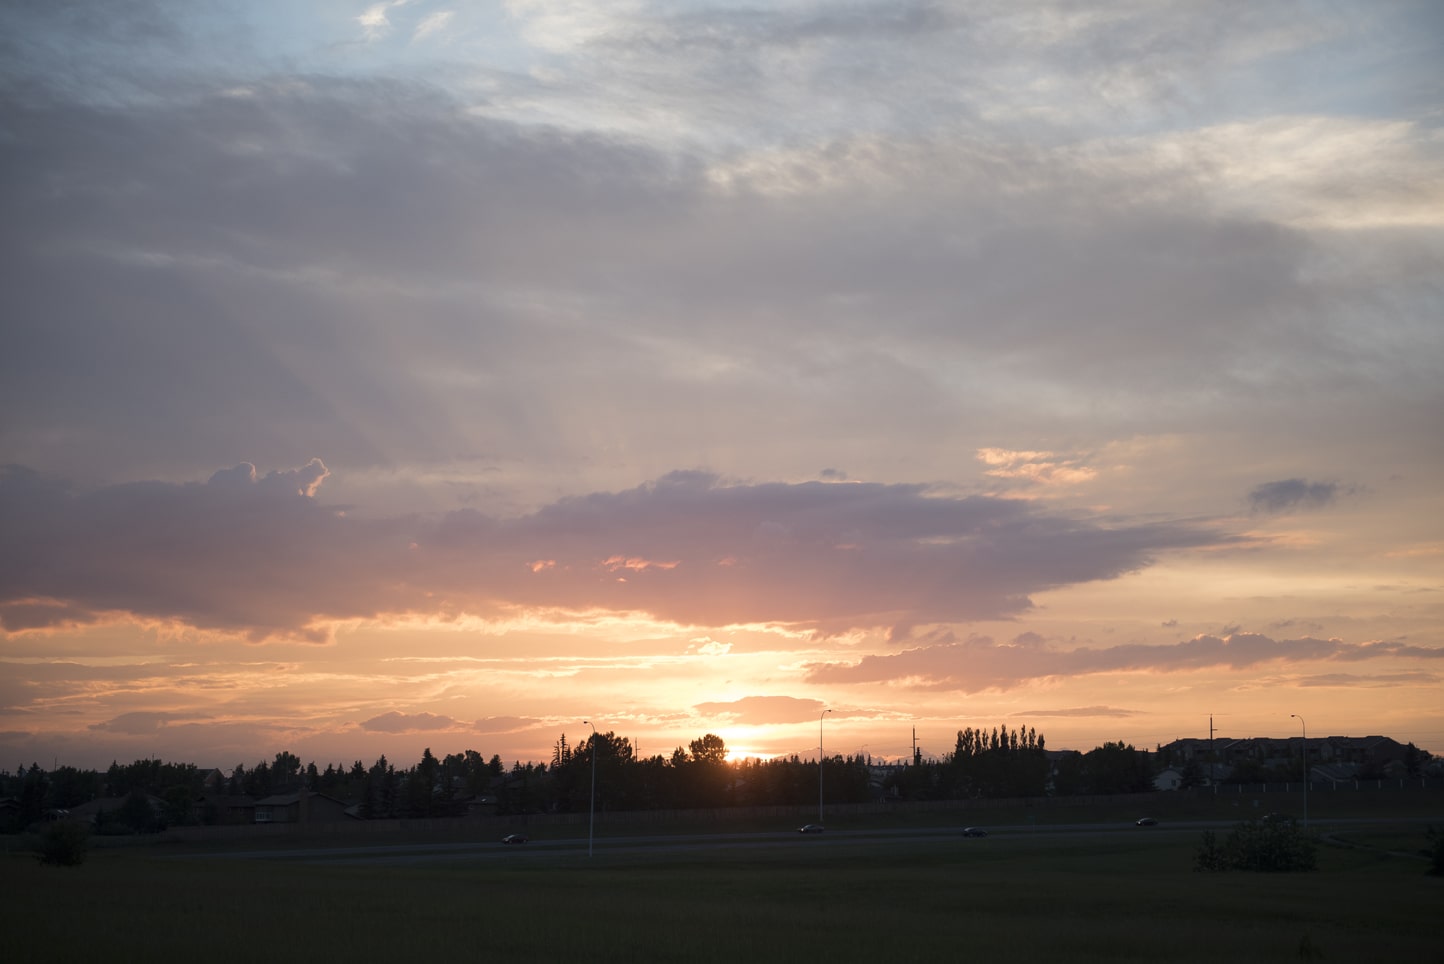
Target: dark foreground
(1017,895)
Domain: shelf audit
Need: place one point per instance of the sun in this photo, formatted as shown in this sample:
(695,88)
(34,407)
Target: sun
(736,754)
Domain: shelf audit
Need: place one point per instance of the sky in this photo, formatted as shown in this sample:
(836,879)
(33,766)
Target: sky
(380,377)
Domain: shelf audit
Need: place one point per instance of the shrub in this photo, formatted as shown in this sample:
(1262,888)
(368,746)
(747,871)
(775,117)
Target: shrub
(1436,854)
(63,843)
(1270,846)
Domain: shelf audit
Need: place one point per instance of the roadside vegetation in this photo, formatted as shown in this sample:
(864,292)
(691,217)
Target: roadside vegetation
(1274,844)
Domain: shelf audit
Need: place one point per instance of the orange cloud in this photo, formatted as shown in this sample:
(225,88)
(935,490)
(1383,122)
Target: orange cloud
(1043,468)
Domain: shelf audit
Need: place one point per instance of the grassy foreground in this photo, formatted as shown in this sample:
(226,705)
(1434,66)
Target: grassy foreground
(1130,897)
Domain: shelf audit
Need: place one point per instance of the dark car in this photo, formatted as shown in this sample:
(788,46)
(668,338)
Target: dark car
(810,828)
(512,838)
(1147,822)
(974,832)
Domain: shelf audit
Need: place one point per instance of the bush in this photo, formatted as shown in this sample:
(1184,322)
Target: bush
(63,843)
(1436,855)
(1273,846)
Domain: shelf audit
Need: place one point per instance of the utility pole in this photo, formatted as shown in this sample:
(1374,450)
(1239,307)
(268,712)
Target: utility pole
(592,809)
(820,718)
(1213,785)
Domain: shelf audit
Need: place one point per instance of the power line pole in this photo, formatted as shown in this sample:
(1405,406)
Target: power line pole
(1213,785)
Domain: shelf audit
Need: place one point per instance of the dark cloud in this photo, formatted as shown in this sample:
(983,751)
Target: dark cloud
(979,663)
(395,722)
(247,250)
(1292,494)
(764,710)
(260,556)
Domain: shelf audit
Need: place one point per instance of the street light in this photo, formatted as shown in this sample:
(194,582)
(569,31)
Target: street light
(1306,766)
(819,763)
(592,817)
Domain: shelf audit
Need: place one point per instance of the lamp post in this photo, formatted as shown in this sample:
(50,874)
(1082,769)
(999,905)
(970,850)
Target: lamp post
(592,815)
(819,763)
(1305,727)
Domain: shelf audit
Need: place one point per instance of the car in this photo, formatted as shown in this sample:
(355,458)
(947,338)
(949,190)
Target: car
(514,838)
(1146,822)
(810,828)
(974,832)
(1277,818)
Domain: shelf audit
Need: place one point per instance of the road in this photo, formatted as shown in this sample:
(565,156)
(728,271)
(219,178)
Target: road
(414,854)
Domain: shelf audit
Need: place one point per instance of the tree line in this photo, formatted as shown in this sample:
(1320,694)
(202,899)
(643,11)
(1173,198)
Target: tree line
(983,764)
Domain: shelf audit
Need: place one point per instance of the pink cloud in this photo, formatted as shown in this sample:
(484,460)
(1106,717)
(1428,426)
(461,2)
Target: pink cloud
(395,722)
(764,710)
(980,664)
(262,557)
(138,723)
(504,724)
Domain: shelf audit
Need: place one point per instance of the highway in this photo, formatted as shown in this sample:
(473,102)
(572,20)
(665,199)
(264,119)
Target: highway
(417,854)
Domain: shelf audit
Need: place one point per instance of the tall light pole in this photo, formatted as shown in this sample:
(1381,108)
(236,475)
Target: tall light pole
(819,763)
(1306,766)
(592,818)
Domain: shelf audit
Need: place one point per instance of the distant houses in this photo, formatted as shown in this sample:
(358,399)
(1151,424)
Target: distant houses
(1334,758)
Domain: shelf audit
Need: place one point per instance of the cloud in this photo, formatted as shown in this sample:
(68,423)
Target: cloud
(263,557)
(709,647)
(433,23)
(138,723)
(1351,680)
(979,664)
(764,710)
(504,724)
(375,20)
(1109,712)
(556,278)
(1288,494)
(395,722)
(1040,468)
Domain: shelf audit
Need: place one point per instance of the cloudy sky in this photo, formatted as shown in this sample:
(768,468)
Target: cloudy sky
(380,376)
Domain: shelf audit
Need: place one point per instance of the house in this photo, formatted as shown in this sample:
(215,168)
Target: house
(213,780)
(1369,752)
(1169,778)
(305,806)
(226,809)
(1333,773)
(9,814)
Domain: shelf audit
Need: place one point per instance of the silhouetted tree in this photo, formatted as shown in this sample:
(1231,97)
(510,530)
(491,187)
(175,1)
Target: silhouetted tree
(1117,768)
(378,795)
(285,771)
(71,787)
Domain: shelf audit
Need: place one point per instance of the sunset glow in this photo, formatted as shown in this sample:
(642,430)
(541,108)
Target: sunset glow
(383,378)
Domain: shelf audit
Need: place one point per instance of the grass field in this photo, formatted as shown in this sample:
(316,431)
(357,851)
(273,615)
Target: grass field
(1010,897)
